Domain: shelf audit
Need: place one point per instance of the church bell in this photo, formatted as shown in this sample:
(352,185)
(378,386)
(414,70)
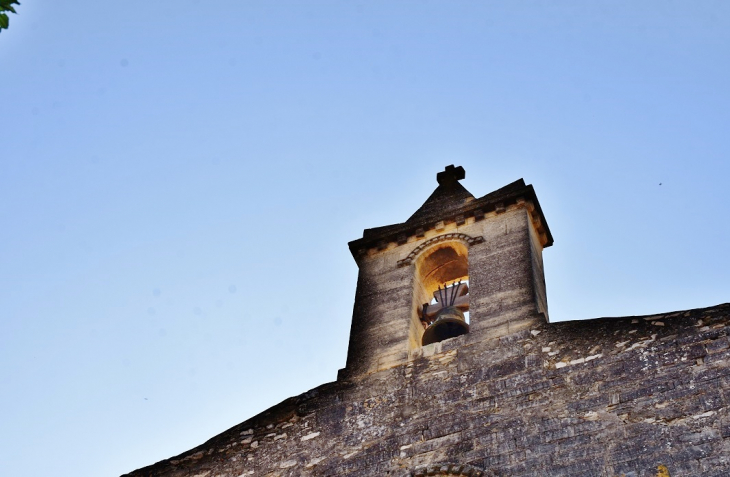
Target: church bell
(445,319)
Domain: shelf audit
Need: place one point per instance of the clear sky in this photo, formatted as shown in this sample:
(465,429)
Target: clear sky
(179,181)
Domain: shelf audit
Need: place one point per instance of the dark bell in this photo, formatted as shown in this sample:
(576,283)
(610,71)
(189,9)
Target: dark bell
(449,323)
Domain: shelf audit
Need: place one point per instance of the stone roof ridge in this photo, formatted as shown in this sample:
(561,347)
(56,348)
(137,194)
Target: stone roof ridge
(697,312)
(508,189)
(273,419)
(448,195)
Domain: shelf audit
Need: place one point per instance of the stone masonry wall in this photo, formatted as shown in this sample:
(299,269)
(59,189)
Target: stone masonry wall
(502,283)
(627,397)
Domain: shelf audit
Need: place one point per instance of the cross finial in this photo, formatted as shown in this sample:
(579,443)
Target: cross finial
(450,175)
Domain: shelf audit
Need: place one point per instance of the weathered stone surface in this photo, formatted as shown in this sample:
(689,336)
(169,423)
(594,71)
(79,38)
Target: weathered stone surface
(502,406)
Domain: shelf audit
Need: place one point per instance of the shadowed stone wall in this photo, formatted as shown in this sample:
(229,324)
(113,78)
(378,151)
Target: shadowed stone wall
(503,270)
(605,397)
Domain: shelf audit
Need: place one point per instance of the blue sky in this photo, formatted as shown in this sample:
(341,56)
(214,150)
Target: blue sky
(179,181)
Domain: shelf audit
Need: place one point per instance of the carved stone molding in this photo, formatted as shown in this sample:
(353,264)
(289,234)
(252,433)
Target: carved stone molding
(438,239)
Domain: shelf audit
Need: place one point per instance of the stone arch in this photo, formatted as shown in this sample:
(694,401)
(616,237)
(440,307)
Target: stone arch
(466,239)
(437,263)
(442,262)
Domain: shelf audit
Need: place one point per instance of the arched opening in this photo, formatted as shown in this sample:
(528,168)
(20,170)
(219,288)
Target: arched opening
(440,295)
(443,264)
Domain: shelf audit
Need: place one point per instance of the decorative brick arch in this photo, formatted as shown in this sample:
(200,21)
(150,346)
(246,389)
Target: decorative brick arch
(447,469)
(438,239)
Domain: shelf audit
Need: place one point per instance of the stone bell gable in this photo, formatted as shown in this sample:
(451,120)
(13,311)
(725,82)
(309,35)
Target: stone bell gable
(499,391)
(495,242)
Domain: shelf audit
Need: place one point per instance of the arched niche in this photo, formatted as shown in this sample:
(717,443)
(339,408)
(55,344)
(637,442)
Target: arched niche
(442,264)
(437,265)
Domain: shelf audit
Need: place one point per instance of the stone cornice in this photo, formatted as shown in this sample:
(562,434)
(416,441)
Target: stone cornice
(518,192)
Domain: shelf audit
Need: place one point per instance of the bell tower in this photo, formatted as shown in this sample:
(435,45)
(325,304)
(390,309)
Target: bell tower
(459,271)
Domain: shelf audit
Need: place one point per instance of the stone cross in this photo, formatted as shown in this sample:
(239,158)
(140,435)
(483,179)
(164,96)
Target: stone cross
(450,175)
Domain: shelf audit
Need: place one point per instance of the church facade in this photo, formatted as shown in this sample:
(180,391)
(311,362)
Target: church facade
(454,368)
